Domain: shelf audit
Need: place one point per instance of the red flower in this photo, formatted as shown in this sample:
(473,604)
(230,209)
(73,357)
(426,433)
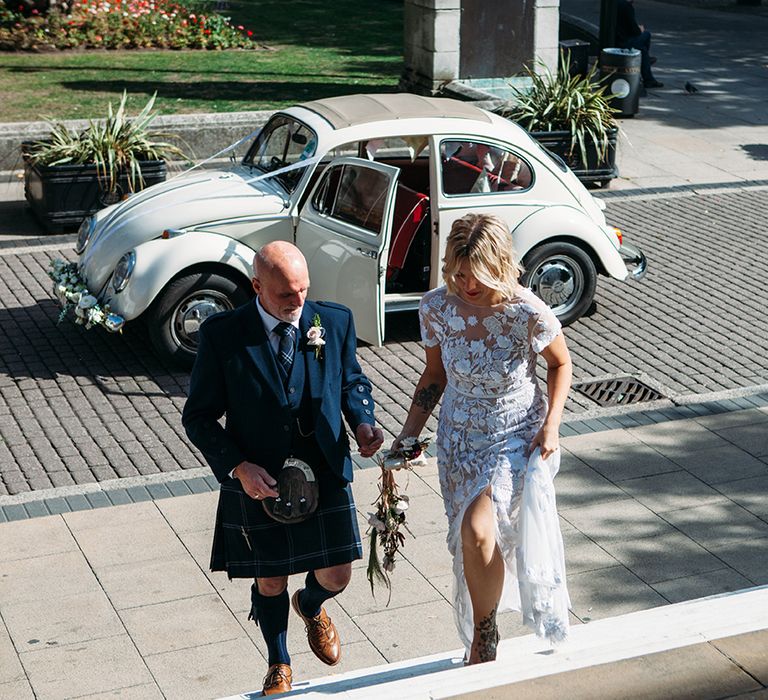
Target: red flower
(207,31)
(249,32)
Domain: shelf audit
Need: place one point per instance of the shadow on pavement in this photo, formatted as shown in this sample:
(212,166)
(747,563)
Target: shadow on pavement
(16,220)
(36,346)
(722,53)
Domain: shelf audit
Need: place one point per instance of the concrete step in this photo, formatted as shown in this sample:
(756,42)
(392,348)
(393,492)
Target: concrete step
(603,646)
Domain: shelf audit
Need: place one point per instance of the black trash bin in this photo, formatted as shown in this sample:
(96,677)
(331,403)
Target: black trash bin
(620,73)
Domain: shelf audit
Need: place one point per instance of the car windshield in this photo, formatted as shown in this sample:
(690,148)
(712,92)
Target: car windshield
(283,141)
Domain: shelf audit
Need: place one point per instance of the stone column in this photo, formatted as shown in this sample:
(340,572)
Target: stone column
(547,33)
(475,41)
(431,44)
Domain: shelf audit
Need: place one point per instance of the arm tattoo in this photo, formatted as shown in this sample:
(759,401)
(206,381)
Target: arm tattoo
(427,398)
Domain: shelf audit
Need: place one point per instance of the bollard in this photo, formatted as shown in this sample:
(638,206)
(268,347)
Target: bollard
(578,54)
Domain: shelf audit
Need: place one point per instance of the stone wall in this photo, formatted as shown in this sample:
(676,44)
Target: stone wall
(200,135)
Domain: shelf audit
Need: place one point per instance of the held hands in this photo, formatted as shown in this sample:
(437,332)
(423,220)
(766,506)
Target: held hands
(398,441)
(547,439)
(255,480)
(369,439)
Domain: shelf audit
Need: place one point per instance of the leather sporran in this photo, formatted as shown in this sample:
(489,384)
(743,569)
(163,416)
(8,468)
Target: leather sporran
(299,493)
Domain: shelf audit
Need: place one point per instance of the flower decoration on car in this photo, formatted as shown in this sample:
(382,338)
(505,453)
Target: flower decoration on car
(391,507)
(73,295)
(316,336)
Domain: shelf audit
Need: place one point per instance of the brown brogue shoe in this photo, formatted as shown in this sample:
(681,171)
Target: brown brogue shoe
(321,634)
(277,680)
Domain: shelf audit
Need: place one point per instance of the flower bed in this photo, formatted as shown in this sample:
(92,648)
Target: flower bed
(121,24)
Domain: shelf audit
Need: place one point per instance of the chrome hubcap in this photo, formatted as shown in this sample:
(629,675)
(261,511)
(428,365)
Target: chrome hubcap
(559,281)
(192,311)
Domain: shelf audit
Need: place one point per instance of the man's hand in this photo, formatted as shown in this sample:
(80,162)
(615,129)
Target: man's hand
(369,439)
(255,480)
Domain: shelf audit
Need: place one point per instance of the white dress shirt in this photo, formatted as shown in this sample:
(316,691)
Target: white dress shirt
(270,323)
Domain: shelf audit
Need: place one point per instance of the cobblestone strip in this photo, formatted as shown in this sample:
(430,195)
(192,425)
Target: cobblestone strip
(155,487)
(682,190)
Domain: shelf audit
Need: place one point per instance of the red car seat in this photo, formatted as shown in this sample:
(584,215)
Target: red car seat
(411,208)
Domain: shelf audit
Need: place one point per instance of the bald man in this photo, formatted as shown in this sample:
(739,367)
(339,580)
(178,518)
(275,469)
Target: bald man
(283,394)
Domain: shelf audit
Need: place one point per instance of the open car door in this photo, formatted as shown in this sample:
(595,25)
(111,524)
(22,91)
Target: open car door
(344,231)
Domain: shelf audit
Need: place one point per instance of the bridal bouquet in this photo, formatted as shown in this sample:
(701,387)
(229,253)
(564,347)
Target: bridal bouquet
(391,506)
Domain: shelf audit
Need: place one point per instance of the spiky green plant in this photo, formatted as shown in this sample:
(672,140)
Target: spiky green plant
(562,102)
(116,145)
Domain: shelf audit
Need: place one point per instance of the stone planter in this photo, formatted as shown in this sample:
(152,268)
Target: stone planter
(61,196)
(597,170)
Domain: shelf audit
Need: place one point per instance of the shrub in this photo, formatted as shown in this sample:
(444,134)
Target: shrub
(115,145)
(120,24)
(576,104)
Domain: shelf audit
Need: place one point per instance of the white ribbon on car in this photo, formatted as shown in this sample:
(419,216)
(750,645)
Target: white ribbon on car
(216,155)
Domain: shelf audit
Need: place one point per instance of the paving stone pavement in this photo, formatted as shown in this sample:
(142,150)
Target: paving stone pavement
(127,589)
(82,406)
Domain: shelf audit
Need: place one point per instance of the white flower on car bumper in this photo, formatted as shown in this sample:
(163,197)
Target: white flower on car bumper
(73,294)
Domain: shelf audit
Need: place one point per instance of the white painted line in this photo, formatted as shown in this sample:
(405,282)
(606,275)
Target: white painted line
(45,247)
(105,486)
(600,642)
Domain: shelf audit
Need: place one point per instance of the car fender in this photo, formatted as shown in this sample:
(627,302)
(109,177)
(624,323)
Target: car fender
(563,223)
(161,260)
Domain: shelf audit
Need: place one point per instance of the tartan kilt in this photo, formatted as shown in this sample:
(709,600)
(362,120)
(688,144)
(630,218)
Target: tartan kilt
(247,543)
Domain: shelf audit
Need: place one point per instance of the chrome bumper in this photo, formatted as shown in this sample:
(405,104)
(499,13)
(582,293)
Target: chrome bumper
(634,260)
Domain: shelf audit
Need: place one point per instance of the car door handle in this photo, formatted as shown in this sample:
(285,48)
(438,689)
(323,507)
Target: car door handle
(372,254)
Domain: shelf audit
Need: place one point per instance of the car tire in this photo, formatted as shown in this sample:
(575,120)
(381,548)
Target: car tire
(564,276)
(175,316)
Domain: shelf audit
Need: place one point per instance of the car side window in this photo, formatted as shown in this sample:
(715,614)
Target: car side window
(353,194)
(473,167)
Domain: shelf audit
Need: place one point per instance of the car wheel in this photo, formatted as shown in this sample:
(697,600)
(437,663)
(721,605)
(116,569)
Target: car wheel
(564,276)
(175,316)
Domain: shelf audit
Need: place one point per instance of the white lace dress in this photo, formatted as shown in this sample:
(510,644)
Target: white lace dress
(491,410)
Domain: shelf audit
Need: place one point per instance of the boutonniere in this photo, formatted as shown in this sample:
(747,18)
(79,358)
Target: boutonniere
(316,335)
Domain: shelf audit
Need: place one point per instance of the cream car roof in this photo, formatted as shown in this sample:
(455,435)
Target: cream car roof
(350,110)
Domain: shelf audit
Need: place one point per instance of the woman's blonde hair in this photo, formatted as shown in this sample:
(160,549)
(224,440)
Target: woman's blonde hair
(486,242)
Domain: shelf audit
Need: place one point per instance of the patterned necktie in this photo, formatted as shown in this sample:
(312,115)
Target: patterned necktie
(285,348)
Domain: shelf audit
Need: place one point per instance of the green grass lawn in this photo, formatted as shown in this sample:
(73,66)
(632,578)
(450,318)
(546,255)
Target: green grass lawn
(313,49)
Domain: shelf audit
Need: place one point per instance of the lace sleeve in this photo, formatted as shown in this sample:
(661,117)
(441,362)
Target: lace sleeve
(430,328)
(545,329)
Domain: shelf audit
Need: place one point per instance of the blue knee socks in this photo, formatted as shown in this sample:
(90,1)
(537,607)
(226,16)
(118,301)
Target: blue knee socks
(313,596)
(271,614)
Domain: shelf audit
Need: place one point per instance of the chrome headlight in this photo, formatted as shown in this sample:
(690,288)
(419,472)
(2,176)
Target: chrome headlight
(84,234)
(123,271)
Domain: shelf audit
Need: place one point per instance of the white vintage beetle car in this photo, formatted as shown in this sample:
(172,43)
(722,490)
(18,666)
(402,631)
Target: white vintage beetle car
(376,184)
